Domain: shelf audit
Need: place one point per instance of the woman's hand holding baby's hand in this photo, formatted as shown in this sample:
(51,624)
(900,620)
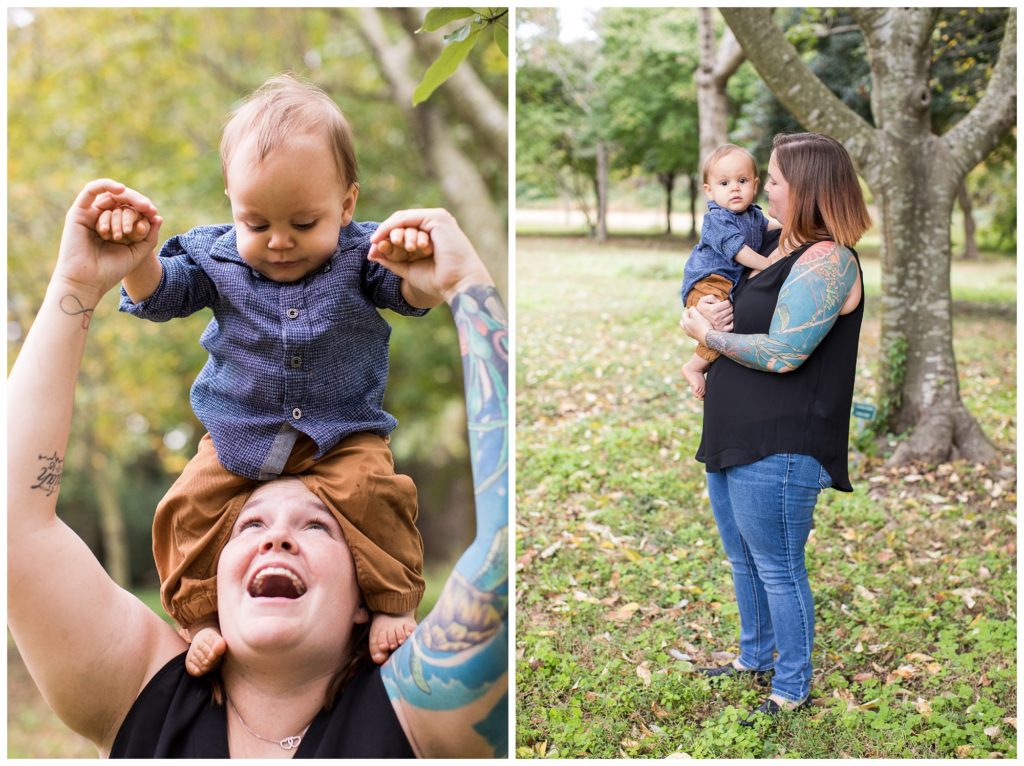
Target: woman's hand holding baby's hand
(92,262)
(123,224)
(406,244)
(454,265)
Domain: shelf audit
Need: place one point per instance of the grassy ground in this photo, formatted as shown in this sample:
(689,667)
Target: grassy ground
(34,731)
(620,572)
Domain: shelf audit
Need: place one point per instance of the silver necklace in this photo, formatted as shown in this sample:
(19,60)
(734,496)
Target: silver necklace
(288,743)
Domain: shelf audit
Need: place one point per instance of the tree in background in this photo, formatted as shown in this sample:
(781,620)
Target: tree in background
(579,141)
(140,95)
(914,175)
(647,81)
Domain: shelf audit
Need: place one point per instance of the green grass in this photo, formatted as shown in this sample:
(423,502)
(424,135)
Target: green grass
(618,560)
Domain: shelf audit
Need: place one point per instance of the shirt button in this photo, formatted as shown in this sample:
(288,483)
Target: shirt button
(297,413)
(292,313)
(296,361)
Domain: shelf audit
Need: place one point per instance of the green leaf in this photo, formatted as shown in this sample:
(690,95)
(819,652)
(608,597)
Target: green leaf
(445,66)
(438,17)
(501,38)
(458,35)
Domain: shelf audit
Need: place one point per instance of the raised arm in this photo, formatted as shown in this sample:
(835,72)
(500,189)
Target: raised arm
(824,282)
(89,645)
(449,684)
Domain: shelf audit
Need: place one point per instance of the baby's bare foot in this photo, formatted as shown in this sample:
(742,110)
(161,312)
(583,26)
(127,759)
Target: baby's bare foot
(388,632)
(205,652)
(696,381)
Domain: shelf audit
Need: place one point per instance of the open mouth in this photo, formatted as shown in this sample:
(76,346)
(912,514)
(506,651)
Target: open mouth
(276,582)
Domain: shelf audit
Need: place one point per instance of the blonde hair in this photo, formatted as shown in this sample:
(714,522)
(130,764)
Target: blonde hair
(825,199)
(723,151)
(285,106)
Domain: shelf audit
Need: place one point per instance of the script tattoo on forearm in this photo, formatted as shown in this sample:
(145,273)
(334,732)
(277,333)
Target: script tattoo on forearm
(460,651)
(50,470)
(72,306)
(809,304)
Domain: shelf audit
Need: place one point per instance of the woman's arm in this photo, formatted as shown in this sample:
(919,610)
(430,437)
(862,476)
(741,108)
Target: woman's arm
(89,645)
(811,299)
(449,683)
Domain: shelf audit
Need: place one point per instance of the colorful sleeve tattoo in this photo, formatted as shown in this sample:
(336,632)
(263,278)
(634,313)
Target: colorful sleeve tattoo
(809,304)
(459,653)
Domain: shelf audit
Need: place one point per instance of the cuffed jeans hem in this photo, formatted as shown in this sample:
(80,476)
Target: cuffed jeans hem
(752,666)
(789,697)
(393,603)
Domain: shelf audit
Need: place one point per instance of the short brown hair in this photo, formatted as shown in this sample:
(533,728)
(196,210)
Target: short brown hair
(825,199)
(285,106)
(723,151)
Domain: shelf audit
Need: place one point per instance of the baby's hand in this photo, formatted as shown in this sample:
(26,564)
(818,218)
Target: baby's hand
(406,244)
(122,224)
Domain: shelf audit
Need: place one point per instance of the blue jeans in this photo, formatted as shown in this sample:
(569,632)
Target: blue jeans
(764,512)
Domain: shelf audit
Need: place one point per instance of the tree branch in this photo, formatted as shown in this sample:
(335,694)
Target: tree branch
(813,104)
(974,136)
(470,99)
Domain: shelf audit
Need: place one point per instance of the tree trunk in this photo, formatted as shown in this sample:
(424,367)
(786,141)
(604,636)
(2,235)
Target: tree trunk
(914,176)
(712,77)
(602,191)
(463,187)
(105,482)
(668,183)
(971,252)
(919,386)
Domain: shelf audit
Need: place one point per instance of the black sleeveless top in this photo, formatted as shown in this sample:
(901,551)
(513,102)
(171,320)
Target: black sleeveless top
(751,414)
(175,717)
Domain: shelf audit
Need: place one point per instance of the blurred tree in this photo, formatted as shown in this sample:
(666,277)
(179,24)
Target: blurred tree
(914,175)
(583,144)
(646,78)
(140,94)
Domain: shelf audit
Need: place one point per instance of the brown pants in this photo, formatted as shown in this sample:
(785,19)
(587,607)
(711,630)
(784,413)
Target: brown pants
(356,480)
(718,286)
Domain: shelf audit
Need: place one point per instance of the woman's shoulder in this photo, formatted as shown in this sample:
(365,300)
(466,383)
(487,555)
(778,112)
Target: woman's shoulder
(826,250)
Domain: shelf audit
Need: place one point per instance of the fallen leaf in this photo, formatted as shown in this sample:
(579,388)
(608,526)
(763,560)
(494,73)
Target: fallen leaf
(992,731)
(865,593)
(923,707)
(550,550)
(643,672)
(624,613)
(962,751)
(861,677)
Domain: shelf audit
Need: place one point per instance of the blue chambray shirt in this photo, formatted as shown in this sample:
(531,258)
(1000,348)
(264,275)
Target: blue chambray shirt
(311,354)
(722,234)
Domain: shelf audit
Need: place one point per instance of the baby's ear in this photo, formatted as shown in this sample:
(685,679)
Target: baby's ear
(348,204)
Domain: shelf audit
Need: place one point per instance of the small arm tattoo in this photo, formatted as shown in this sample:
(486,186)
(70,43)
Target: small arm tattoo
(50,470)
(72,306)
(808,305)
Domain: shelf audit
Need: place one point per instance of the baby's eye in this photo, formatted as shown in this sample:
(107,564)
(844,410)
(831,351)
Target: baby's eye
(256,227)
(317,525)
(250,523)
(305,226)
(723,182)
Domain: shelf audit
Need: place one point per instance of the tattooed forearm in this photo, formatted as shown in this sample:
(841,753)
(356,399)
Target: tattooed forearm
(50,470)
(809,304)
(459,653)
(72,306)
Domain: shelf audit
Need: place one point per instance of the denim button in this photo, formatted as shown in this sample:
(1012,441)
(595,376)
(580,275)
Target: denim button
(292,313)
(296,361)
(297,413)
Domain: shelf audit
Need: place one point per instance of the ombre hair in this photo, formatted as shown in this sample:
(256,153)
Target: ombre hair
(825,199)
(283,107)
(725,150)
